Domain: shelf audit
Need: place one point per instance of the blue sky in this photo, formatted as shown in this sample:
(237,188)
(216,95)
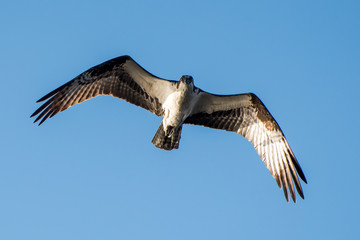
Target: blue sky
(91,172)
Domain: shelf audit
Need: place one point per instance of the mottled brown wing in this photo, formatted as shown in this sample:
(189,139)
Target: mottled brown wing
(120,77)
(245,114)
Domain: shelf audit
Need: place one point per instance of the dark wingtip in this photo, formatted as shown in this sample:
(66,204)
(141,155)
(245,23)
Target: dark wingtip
(278,181)
(301,195)
(292,192)
(37,119)
(297,166)
(284,185)
(287,198)
(46,117)
(300,172)
(50,94)
(304,179)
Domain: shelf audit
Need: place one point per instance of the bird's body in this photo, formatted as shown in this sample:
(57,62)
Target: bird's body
(180,102)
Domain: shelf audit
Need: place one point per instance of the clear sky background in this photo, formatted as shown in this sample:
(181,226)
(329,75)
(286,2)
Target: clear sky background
(91,172)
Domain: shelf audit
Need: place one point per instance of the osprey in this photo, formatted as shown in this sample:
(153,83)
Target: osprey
(180,102)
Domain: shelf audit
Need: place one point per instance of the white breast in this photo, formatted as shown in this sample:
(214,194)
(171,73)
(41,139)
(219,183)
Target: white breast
(177,107)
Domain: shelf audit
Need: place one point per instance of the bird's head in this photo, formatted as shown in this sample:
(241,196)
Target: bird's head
(187,79)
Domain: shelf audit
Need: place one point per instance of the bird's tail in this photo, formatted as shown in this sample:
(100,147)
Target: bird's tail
(164,141)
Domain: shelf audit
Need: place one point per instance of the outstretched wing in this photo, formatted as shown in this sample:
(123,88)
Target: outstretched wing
(245,114)
(120,77)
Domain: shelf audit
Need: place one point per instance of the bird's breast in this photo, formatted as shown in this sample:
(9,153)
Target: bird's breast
(177,107)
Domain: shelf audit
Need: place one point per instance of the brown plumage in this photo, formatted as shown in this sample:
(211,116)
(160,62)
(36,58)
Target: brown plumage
(181,102)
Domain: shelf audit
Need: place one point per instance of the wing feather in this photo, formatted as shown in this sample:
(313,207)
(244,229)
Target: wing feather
(120,77)
(246,115)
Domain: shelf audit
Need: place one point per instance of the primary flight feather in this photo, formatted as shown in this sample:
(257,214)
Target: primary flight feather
(181,102)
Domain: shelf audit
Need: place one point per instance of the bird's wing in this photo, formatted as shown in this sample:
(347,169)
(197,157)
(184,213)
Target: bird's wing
(120,77)
(245,114)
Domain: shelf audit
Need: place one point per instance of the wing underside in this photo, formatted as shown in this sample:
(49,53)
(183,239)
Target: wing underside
(120,77)
(246,115)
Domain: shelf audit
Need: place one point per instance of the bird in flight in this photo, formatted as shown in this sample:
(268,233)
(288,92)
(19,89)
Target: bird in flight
(180,102)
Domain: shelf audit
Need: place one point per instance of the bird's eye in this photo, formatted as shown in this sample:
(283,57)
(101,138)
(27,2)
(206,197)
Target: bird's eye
(189,80)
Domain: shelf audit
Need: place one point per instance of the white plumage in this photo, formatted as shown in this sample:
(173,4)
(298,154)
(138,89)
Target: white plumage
(180,102)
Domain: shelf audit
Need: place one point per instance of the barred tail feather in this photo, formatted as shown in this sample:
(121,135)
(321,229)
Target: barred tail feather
(162,141)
